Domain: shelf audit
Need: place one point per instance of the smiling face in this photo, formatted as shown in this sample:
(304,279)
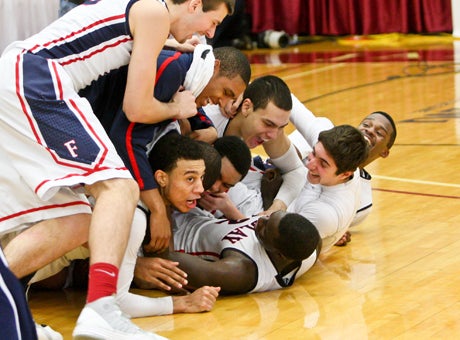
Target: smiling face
(263,124)
(182,186)
(197,21)
(377,131)
(322,168)
(221,91)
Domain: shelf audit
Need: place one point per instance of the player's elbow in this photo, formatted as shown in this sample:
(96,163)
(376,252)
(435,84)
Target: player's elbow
(243,278)
(133,112)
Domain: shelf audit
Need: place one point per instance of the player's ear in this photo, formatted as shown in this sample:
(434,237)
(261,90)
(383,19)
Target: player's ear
(195,4)
(246,107)
(346,174)
(385,153)
(216,66)
(161,177)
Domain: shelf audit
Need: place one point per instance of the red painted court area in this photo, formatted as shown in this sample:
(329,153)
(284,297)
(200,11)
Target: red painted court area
(396,55)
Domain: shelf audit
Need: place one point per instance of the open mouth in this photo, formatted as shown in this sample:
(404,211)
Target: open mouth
(368,140)
(313,178)
(254,142)
(191,203)
(261,140)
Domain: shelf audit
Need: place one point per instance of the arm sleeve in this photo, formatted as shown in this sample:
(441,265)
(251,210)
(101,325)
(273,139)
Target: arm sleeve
(133,304)
(306,123)
(138,306)
(294,175)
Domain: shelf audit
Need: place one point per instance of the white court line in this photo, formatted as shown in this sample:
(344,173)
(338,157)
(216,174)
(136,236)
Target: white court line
(316,70)
(417,181)
(344,57)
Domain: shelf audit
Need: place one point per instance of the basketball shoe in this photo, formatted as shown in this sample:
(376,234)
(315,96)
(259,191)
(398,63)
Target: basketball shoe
(45,332)
(103,319)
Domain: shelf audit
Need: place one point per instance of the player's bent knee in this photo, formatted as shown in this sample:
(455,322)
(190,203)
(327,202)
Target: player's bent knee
(127,188)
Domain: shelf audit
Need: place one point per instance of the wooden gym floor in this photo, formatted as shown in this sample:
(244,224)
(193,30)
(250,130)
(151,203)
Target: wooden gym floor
(399,276)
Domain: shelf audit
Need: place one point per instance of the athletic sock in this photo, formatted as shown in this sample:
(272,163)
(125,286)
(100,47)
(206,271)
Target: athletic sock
(102,281)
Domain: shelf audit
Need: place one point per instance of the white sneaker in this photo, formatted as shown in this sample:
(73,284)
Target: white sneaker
(102,319)
(45,332)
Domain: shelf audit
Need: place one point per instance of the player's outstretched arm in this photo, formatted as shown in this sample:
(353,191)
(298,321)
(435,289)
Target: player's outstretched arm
(159,273)
(201,300)
(234,273)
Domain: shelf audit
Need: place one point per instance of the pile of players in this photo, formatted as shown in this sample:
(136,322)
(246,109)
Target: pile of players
(137,158)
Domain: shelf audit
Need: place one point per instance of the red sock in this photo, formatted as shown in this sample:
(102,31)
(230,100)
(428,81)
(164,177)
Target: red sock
(102,281)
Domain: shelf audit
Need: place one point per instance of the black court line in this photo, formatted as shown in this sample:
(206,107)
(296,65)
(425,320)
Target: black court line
(416,193)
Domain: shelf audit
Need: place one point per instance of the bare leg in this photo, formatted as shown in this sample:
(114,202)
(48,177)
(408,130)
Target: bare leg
(113,213)
(44,242)
(110,224)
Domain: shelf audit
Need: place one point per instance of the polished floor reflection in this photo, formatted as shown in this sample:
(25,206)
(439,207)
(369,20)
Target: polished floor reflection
(398,278)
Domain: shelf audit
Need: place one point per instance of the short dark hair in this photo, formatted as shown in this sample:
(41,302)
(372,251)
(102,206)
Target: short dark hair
(213,163)
(266,89)
(171,148)
(233,63)
(392,139)
(346,145)
(298,237)
(237,152)
(209,5)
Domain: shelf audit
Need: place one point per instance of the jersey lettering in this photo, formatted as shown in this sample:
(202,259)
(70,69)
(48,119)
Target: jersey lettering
(225,221)
(70,145)
(237,234)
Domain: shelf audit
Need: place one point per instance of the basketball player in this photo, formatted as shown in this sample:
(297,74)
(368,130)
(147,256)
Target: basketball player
(379,130)
(330,196)
(257,254)
(216,76)
(42,115)
(234,156)
(260,120)
(235,159)
(179,169)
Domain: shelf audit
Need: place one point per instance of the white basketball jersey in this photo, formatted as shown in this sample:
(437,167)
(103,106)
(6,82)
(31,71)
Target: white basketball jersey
(208,238)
